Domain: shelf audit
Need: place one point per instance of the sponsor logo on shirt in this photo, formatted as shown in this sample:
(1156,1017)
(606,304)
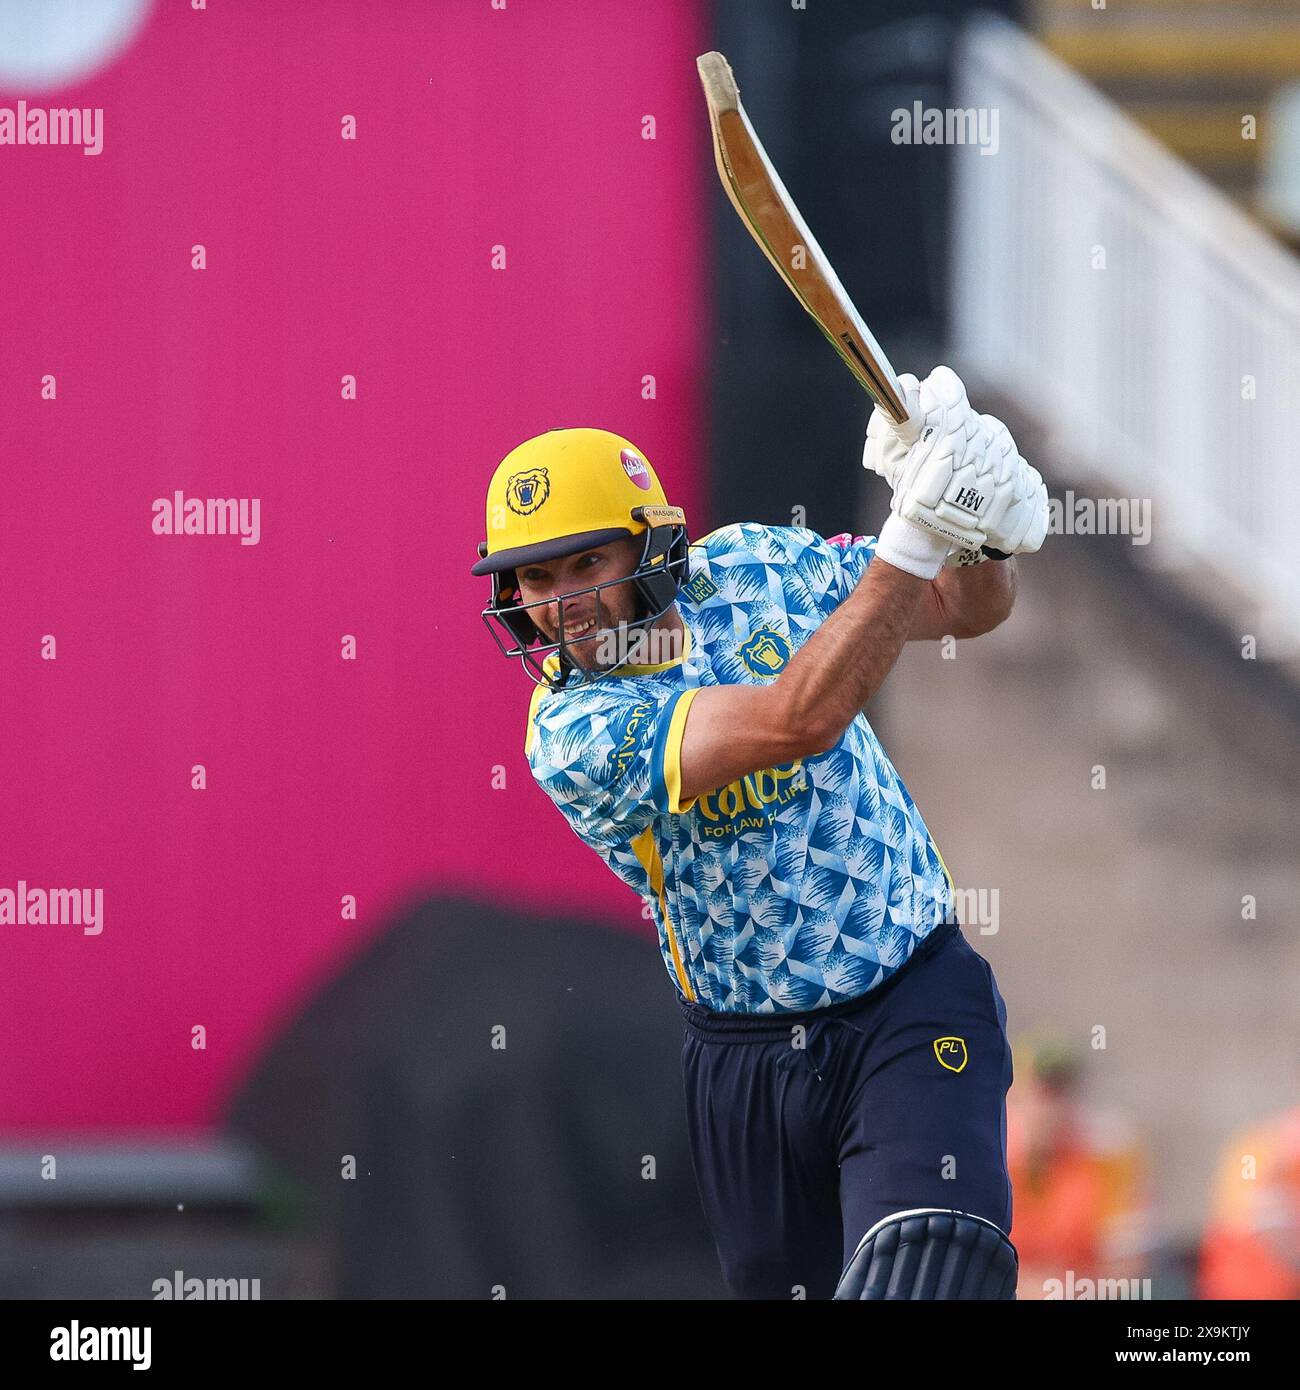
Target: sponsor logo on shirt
(633,737)
(751,802)
(700,588)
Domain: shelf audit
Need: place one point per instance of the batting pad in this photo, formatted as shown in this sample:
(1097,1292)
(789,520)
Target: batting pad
(931,1253)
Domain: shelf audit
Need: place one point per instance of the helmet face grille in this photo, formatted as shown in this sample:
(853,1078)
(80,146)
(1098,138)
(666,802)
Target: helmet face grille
(655,581)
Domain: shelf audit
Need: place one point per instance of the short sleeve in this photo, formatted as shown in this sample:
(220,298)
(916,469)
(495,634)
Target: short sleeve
(611,761)
(830,566)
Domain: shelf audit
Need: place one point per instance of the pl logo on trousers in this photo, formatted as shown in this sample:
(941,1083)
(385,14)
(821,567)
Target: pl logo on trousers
(951,1053)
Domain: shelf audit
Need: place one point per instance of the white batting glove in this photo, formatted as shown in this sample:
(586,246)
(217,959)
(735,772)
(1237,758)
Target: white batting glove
(931,448)
(885,450)
(962,479)
(1018,524)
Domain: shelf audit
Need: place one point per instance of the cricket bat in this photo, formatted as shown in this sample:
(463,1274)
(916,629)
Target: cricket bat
(767,209)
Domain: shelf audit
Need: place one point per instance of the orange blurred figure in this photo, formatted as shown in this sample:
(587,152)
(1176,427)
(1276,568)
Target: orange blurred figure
(1251,1247)
(1079,1180)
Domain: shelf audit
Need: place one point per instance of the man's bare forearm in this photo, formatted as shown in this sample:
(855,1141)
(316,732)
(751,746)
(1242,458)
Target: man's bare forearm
(844,662)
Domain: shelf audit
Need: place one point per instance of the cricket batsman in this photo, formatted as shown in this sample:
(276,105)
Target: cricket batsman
(698,720)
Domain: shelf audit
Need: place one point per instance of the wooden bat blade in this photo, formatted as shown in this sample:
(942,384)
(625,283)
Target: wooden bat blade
(767,209)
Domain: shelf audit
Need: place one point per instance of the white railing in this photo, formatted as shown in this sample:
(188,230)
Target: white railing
(1139,316)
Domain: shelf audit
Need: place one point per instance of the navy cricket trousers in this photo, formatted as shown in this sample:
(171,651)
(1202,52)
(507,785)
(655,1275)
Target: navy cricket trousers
(808,1128)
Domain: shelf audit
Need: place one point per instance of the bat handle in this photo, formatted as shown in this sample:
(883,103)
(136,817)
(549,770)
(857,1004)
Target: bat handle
(907,427)
(888,393)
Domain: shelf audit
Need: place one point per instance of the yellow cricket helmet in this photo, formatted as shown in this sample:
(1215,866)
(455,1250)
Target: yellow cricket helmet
(569,490)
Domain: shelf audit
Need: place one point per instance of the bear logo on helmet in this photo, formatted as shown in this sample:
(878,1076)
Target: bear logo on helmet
(525,492)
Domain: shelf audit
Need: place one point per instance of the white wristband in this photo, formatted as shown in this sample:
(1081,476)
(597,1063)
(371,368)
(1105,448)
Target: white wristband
(910,547)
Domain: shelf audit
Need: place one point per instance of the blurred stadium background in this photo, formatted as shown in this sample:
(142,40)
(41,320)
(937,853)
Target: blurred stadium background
(1114,780)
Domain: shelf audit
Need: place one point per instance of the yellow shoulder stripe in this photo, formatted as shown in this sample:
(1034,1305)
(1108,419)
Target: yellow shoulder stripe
(530,733)
(673,753)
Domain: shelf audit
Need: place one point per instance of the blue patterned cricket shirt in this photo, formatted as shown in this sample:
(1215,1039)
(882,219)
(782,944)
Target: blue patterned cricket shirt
(792,888)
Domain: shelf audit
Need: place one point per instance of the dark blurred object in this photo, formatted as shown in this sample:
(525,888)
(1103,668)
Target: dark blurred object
(109,1220)
(483,1168)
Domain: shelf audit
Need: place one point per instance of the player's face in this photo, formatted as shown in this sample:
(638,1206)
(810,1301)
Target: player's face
(589,616)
